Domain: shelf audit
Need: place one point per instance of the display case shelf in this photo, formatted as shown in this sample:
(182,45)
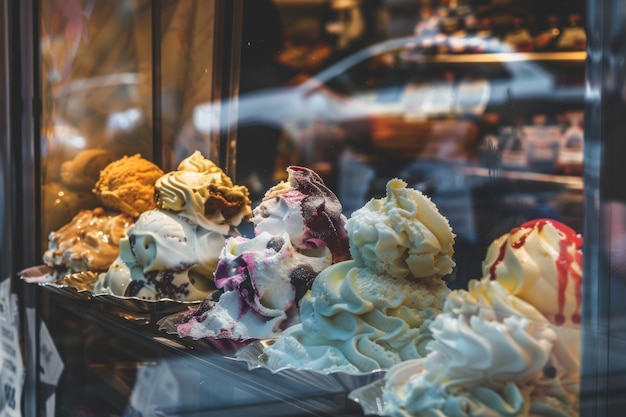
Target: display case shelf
(222,385)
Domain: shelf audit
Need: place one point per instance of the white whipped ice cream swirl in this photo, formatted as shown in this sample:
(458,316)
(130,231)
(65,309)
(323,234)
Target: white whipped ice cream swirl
(402,235)
(354,320)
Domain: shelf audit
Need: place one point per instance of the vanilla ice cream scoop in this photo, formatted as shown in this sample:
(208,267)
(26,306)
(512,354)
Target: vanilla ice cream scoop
(492,354)
(541,263)
(402,235)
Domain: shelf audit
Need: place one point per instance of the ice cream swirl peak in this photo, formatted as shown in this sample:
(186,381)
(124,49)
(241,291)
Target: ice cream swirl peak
(402,235)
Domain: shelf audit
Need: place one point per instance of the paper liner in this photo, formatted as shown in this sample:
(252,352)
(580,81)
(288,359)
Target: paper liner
(331,382)
(370,398)
(80,286)
(76,286)
(227,347)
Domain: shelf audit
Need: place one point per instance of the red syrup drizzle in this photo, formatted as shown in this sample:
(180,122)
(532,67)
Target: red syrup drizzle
(563,263)
(516,245)
(492,268)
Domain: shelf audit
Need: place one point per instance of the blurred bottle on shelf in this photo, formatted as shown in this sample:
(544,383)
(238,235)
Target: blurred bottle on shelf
(543,144)
(549,36)
(570,159)
(518,38)
(512,148)
(489,149)
(573,37)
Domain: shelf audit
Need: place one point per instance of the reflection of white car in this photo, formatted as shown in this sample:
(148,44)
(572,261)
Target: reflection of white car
(394,98)
(389,77)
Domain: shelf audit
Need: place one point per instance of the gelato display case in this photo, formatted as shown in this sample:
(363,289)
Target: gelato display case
(311,207)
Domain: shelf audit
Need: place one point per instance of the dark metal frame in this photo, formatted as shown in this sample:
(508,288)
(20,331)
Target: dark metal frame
(603,372)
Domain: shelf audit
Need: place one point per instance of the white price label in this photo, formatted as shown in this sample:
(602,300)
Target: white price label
(156,388)
(11,365)
(50,363)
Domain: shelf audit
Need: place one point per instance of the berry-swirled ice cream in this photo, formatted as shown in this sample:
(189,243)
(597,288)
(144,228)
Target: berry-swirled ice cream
(300,230)
(307,210)
(500,348)
(171,252)
(372,312)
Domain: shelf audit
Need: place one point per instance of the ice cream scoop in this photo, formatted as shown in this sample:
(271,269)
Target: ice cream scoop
(510,344)
(172,251)
(402,235)
(355,320)
(299,232)
(493,354)
(88,243)
(163,256)
(307,210)
(127,185)
(372,312)
(83,171)
(541,263)
(261,280)
(202,193)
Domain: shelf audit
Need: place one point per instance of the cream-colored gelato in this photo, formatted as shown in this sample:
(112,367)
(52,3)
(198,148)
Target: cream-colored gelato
(493,354)
(402,235)
(541,263)
(500,348)
(202,193)
(372,312)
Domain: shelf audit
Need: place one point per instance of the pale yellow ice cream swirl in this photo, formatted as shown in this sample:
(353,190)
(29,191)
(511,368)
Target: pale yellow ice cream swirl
(402,235)
(202,193)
